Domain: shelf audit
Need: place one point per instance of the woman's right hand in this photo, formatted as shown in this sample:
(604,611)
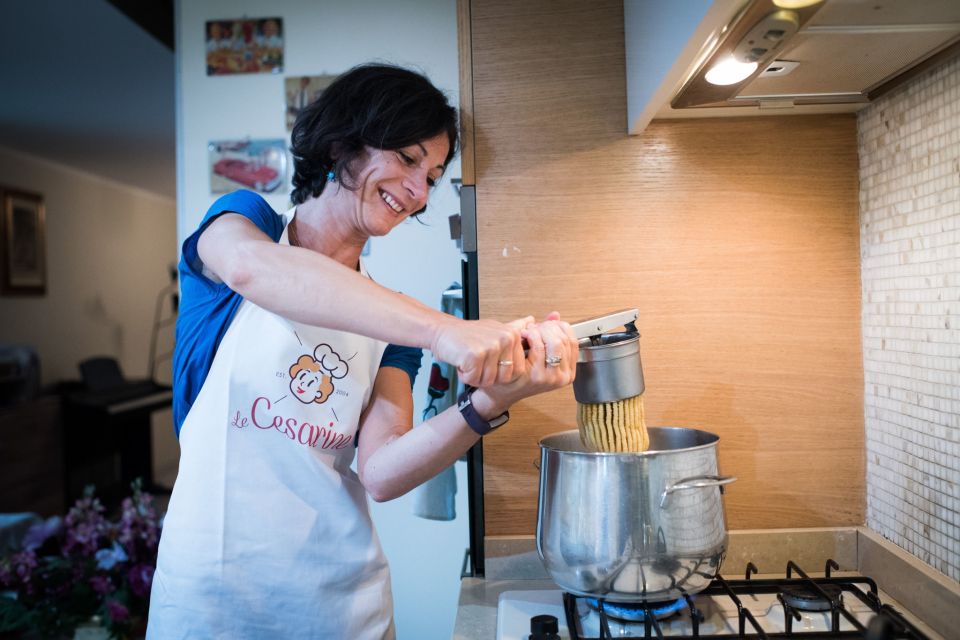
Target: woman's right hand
(485,352)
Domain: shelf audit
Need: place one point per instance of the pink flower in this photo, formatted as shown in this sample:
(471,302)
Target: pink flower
(101,584)
(23,564)
(139,529)
(85,525)
(140,578)
(118,612)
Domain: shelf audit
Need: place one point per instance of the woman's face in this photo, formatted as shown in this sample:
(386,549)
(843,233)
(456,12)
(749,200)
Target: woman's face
(396,183)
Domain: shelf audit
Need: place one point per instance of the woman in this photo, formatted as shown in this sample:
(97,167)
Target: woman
(282,372)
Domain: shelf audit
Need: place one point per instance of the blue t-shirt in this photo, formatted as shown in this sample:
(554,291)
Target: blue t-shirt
(207,307)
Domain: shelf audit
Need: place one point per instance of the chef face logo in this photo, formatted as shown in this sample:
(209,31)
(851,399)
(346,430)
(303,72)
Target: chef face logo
(311,377)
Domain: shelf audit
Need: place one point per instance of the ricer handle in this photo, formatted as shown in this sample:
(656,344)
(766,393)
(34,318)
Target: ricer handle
(602,324)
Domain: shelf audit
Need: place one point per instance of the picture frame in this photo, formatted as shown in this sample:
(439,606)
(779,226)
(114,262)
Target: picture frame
(23,251)
(259,165)
(301,91)
(244,46)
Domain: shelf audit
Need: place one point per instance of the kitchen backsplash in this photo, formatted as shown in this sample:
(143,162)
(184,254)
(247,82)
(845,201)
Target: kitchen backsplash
(910,242)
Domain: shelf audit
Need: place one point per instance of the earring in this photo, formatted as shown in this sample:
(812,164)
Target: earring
(331,177)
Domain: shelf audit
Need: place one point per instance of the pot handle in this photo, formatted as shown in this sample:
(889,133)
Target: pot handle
(695,482)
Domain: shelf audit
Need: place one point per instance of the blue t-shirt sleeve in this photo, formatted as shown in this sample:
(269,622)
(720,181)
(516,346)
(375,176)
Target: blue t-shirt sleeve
(207,307)
(246,203)
(406,358)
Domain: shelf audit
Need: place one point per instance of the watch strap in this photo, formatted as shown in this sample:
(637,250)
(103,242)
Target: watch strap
(475,421)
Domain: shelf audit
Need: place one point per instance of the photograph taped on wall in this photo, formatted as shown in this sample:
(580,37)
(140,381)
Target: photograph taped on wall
(24,244)
(301,91)
(244,46)
(254,164)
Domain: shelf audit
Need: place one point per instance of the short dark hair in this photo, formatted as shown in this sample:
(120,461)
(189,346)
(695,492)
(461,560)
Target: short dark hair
(372,105)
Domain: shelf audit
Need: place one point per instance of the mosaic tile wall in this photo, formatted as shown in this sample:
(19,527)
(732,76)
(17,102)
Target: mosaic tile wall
(910,244)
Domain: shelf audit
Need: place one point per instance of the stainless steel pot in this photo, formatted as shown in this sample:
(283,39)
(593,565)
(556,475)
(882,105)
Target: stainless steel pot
(632,527)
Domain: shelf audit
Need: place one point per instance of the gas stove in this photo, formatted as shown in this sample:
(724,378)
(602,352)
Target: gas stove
(794,606)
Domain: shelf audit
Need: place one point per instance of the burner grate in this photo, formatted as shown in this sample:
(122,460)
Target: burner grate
(795,594)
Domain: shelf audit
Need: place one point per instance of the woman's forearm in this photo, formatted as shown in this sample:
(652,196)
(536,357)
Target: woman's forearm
(416,455)
(308,287)
(411,459)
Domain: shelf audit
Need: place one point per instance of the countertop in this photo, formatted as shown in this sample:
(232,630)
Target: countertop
(511,564)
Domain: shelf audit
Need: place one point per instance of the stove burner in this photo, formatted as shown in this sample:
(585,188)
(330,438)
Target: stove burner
(636,611)
(806,599)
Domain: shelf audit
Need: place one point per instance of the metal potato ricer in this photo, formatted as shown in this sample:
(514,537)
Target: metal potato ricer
(608,364)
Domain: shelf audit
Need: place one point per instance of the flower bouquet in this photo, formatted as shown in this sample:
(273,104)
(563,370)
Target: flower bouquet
(83,567)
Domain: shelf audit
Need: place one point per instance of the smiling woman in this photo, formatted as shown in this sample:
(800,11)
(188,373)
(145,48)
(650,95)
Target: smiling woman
(281,331)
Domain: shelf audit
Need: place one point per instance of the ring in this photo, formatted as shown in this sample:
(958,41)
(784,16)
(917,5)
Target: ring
(505,363)
(554,361)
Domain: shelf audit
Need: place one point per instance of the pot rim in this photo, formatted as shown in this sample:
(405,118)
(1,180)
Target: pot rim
(629,454)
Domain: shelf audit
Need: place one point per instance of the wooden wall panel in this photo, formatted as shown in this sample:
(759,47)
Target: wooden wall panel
(737,239)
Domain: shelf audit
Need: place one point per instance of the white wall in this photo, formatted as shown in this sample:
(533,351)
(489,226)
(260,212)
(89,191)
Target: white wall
(910,242)
(327,38)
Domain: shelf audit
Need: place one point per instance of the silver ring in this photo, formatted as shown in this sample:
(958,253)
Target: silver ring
(554,361)
(505,363)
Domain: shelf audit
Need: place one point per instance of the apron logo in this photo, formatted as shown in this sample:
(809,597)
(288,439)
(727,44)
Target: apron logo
(311,377)
(264,417)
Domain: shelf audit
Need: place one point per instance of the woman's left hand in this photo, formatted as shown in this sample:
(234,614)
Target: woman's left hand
(551,363)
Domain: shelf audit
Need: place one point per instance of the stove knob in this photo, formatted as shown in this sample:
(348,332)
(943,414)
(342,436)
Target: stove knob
(544,628)
(880,628)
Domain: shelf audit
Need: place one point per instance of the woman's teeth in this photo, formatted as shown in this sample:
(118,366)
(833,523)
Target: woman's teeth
(390,201)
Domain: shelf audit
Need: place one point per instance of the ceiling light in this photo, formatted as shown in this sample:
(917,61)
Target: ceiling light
(730,71)
(795,4)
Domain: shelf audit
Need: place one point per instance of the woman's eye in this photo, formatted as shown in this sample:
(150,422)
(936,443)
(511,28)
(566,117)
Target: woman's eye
(406,159)
(431,182)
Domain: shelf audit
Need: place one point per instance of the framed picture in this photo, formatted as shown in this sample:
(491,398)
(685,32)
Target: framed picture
(301,91)
(260,165)
(24,244)
(244,46)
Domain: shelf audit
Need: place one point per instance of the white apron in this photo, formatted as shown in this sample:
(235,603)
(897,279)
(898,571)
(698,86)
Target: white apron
(268,534)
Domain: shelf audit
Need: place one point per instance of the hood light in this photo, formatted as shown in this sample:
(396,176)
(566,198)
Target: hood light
(730,71)
(795,4)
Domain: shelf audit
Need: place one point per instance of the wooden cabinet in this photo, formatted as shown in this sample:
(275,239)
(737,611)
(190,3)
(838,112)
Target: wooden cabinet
(31,458)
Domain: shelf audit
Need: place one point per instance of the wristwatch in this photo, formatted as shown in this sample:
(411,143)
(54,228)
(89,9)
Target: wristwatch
(479,424)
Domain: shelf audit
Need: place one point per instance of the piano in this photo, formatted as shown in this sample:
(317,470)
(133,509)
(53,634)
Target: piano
(107,434)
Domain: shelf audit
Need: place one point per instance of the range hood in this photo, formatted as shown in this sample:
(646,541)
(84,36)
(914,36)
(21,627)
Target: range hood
(831,56)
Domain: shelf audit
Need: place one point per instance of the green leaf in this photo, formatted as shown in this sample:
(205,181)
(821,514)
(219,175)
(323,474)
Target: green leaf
(13,615)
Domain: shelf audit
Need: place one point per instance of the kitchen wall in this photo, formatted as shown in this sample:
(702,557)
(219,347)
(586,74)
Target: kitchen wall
(92,307)
(737,239)
(418,258)
(910,243)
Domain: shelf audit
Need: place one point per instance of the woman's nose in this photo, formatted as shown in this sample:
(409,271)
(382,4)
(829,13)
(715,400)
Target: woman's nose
(416,184)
